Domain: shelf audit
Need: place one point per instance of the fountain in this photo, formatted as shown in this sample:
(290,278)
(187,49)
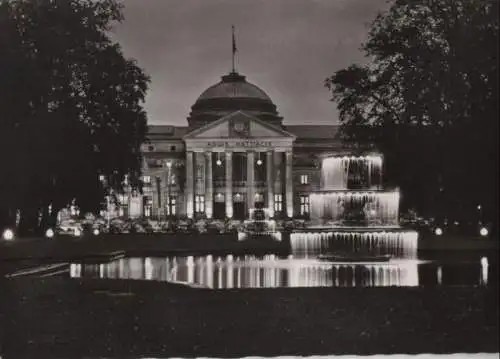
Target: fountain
(353,213)
(259,226)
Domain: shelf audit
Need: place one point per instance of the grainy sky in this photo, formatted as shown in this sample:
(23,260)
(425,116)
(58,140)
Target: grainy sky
(286,47)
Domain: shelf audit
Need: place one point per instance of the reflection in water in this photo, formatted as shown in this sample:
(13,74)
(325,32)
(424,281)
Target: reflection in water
(484,271)
(439,275)
(301,268)
(252,272)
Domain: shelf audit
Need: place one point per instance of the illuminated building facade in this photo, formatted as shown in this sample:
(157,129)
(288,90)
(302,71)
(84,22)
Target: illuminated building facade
(236,154)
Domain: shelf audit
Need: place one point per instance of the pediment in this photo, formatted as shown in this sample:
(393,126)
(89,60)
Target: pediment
(238,124)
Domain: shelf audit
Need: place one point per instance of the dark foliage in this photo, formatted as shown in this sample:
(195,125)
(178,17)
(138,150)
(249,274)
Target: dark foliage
(70,109)
(428,99)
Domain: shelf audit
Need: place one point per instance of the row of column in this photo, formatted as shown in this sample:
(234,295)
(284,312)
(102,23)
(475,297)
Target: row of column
(209,194)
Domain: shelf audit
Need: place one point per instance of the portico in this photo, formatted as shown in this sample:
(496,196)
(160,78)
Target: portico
(237,163)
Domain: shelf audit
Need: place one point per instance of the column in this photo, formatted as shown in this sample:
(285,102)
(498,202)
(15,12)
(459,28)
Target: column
(209,186)
(369,160)
(289,183)
(250,180)
(229,185)
(189,184)
(270,182)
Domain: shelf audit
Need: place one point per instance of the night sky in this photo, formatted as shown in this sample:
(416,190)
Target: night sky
(286,47)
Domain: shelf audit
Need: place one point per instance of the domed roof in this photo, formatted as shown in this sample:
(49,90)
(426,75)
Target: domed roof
(232,93)
(234,85)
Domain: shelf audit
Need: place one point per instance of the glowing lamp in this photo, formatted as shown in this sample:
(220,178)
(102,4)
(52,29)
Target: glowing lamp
(49,233)
(77,232)
(219,163)
(8,234)
(169,164)
(95,232)
(259,162)
(483,231)
(438,231)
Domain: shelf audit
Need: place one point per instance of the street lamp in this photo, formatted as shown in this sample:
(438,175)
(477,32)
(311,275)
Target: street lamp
(8,234)
(108,215)
(49,233)
(169,181)
(158,190)
(483,231)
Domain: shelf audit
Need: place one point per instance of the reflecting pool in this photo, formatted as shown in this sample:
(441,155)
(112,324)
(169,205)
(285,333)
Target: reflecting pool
(298,270)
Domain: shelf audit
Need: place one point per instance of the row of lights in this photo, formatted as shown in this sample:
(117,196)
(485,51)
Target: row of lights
(358,158)
(237,195)
(483,231)
(8,234)
(219,162)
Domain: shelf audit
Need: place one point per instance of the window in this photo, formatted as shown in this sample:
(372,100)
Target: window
(199,173)
(172,179)
(304,179)
(148,207)
(199,204)
(146,179)
(102,178)
(304,205)
(123,210)
(172,148)
(278,202)
(123,199)
(171,206)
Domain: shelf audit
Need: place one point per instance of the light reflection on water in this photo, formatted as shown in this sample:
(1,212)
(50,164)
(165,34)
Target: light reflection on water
(272,271)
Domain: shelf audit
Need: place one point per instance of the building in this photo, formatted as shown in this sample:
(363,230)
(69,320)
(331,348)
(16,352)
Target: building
(236,153)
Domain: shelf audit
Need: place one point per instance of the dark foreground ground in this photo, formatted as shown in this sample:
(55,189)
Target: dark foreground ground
(62,318)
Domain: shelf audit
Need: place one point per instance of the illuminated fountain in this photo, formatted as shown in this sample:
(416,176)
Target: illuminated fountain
(259,226)
(338,171)
(341,208)
(400,244)
(351,212)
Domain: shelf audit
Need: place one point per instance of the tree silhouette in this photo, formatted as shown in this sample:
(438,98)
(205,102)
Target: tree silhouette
(71,107)
(428,99)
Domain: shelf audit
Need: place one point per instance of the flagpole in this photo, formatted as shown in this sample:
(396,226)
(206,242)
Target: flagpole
(233,49)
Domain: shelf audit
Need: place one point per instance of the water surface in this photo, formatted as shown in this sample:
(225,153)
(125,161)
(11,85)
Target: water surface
(299,270)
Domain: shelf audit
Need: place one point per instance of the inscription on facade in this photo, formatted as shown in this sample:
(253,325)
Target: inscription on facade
(235,144)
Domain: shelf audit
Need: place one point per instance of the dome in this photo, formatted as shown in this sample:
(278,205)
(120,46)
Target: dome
(234,85)
(232,93)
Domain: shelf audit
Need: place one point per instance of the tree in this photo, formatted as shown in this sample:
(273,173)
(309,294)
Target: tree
(428,99)
(71,107)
